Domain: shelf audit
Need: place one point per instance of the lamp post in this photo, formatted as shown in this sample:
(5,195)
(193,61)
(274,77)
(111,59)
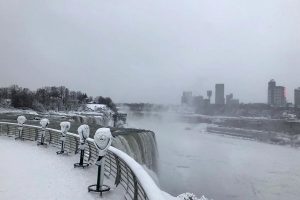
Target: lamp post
(102,140)
(65,127)
(44,123)
(21,120)
(84,132)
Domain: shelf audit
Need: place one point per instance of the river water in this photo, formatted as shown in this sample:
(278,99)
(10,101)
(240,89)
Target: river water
(221,167)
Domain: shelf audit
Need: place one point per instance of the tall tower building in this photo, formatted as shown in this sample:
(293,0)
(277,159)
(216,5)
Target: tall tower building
(271,89)
(279,96)
(297,97)
(219,96)
(276,94)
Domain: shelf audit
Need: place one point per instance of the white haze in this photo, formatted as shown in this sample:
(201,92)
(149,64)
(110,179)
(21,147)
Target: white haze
(150,51)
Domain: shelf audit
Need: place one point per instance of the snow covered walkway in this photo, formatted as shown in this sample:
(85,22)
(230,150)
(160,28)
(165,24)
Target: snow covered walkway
(28,171)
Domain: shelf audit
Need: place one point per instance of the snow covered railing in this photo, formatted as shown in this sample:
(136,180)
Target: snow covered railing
(125,170)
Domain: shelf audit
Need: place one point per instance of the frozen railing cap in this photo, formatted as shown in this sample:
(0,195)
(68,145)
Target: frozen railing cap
(65,127)
(83,132)
(21,120)
(44,122)
(102,140)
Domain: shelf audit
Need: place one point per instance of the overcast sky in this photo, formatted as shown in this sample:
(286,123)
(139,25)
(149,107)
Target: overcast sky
(151,50)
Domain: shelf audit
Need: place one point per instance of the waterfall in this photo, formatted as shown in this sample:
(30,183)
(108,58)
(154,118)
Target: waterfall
(139,145)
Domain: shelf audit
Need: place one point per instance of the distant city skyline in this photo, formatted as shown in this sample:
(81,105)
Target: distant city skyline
(276,95)
(202,93)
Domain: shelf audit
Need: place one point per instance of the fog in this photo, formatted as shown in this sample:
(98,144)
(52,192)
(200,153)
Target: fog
(220,167)
(150,51)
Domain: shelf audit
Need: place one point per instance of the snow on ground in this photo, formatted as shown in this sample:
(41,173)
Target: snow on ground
(73,113)
(28,171)
(19,111)
(95,107)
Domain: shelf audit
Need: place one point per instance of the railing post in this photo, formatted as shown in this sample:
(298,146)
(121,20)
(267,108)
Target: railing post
(76,145)
(90,152)
(50,137)
(109,164)
(135,197)
(36,135)
(127,175)
(7,129)
(118,175)
(2,129)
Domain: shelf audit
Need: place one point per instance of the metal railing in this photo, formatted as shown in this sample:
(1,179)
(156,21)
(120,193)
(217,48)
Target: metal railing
(138,185)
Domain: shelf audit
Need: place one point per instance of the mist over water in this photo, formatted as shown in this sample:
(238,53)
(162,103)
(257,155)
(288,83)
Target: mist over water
(220,167)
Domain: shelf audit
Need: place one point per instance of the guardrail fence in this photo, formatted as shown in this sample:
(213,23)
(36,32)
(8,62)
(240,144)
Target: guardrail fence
(131,176)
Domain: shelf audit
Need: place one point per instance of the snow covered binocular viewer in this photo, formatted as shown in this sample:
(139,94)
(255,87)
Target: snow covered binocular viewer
(21,120)
(44,123)
(65,127)
(84,133)
(102,140)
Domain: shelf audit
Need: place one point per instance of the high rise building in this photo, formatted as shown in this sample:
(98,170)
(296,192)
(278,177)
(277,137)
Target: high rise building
(271,88)
(297,97)
(279,96)
(187,98)
(219,96)
(276,94)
